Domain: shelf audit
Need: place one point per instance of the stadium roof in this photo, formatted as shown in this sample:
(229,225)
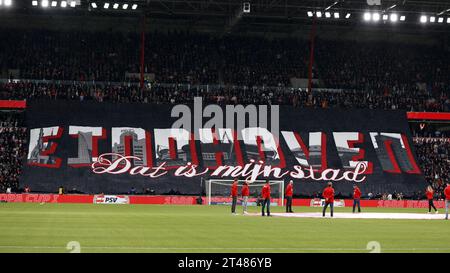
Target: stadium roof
(229,13)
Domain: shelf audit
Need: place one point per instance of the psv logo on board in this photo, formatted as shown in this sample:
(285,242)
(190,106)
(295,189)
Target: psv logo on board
(111,199)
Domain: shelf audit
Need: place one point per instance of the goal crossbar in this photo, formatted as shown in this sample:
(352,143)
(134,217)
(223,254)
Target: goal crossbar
(254,183)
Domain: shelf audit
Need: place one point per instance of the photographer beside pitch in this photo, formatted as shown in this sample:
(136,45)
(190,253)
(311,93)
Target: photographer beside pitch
(328,194)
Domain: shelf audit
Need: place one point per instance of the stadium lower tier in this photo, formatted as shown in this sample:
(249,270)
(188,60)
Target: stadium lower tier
(194,200)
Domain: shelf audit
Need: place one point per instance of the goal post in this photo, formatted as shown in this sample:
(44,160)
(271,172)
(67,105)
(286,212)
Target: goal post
(218,191)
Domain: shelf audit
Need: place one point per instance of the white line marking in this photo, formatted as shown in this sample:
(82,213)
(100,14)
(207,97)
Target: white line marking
(219,248)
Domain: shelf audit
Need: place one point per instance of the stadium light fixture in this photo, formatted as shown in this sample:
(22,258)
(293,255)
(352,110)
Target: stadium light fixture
(7,3)
(319,14)
(448,20)
(402,18)
(367,16)
(34,3)
(347,15)
(134,6)
(125,6)
(336,15)
(73,4)
(440,19)
(310,14)
(376,16)
(385,17)
(432,19)
(394,17)
(423,19)
(327,14)
(63,4)
(94,5)
(44,3)
(332,5)
(106,5)
(391,7)
(115,6)
(54,3)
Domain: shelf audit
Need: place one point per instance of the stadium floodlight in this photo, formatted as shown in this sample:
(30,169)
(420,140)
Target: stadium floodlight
(347,15)
(115,6)
(367,16)
(7,3)
(394,17)
(54,3)
(402,18)
(73,4)
(134,6)
(125,6)
(106,5)
(448,20)
(34,3)
(94,5)
(327,14)
(319,14)
(336,15)
(385,17)
(432,19)
(44,3)
(440,19)
(423,19)
(310,14)
(63,4)
(376,16)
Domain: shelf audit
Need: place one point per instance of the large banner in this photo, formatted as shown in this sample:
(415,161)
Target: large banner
(103,148)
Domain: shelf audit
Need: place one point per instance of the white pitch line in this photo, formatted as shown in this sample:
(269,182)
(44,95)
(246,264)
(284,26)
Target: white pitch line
(364,215)
(219,248)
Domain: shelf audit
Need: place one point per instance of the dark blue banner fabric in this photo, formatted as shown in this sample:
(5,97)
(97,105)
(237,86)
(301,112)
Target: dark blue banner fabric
(112,148)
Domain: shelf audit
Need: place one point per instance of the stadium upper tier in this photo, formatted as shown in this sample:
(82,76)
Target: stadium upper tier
(193,58)
(411,100)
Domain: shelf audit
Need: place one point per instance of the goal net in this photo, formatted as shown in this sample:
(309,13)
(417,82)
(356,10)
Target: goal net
(218,192)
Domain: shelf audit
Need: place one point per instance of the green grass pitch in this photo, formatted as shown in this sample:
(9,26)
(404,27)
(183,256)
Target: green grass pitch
(156,228)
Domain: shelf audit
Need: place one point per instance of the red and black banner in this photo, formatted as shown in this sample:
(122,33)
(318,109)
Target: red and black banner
(112,148)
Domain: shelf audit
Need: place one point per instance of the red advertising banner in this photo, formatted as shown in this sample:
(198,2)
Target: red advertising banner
(192,200)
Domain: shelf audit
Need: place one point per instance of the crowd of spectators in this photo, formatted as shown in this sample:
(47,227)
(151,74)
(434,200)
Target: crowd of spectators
(433,155)
(200,58)
(13,139)
(175,94)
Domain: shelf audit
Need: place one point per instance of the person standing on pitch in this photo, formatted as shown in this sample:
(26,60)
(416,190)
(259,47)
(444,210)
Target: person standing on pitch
(356,198)
(289,193)
(234,195)
(430,196)
(266,198)
(447,199)
(328,194)
(245,192)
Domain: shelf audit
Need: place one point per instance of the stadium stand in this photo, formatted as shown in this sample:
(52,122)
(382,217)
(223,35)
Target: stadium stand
(13,139)
(89,66)
(350,99)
